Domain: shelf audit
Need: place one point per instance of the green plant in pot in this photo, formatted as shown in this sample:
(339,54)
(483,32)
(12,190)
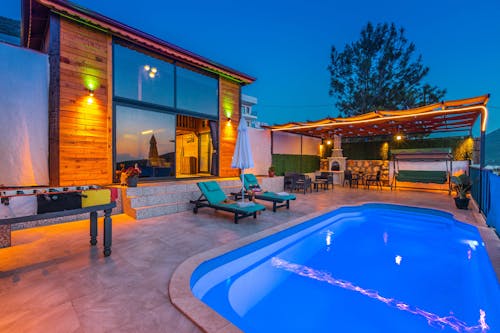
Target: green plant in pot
(462,185)
(271,171)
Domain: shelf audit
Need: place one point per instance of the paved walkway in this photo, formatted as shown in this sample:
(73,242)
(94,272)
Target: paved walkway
(52,281)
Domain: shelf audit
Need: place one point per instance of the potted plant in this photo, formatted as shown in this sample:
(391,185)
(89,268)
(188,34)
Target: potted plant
(132,174)
(270,171)
(462,185)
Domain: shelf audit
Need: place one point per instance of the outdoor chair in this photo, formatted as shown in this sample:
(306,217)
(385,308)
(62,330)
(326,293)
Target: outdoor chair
(290,180)
(303,183)
(374,180)
(350,178)
(212,196)
(328,177)
(279,199)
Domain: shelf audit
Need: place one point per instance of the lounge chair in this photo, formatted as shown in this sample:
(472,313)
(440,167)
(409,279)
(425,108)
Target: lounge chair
(212,196)
(251,183)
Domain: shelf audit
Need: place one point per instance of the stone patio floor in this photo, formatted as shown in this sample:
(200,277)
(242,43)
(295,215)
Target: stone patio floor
(51,280)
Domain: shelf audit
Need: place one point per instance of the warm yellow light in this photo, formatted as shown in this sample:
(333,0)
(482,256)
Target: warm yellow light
(147,68)
(147,132)
(154,70)
(399,137)
(484,119)
(329,142)
(151,75)
(90,100)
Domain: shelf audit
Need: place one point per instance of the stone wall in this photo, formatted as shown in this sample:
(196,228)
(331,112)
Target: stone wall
(370,167)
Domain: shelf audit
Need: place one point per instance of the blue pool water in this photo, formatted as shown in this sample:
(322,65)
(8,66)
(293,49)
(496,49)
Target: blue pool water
(371,268)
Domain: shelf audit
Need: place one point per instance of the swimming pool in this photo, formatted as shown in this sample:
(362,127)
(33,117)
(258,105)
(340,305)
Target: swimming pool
(371,268)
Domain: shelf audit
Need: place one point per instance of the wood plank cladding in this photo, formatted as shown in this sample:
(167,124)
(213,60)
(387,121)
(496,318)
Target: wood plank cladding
(83,151)
(229,106)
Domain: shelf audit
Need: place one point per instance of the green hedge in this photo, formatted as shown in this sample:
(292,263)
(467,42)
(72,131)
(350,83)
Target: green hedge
(295,163)
(373,150)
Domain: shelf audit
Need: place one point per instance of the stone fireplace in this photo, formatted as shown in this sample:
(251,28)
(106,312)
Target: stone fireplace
(335,163)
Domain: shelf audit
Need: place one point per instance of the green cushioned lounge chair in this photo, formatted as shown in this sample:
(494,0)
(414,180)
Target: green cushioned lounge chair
(212,196)
(251,183)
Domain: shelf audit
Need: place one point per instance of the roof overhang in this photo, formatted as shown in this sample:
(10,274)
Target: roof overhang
(451,116)
(35,22)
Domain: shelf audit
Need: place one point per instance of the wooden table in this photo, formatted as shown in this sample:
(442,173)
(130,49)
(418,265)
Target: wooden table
(107,227)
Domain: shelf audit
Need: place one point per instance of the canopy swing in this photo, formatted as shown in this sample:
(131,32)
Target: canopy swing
(424,176)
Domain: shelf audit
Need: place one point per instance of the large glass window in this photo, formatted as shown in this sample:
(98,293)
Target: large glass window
(164,116)
(197,92)
(141,77)
(146,138)
(194,147)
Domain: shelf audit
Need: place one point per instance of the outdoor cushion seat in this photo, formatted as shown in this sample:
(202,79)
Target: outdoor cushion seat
(422,176)
(251,184)
(212,196)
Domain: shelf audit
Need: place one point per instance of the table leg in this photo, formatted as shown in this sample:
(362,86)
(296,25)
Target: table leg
(107,232)
(93,228)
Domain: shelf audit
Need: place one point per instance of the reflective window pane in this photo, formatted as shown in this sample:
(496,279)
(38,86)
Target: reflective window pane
(143,78)
(146,138)
(196,92)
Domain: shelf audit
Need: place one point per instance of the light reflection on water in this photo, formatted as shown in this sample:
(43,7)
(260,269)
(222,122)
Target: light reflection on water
(432,319)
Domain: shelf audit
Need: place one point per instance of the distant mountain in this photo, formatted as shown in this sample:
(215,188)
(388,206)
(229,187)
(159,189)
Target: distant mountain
(10,31)
(10,27)
(493,148)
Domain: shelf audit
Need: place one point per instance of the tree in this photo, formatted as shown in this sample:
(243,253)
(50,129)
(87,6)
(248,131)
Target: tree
(379,72)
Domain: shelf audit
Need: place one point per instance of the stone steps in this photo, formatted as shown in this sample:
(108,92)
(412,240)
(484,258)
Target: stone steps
(157,199)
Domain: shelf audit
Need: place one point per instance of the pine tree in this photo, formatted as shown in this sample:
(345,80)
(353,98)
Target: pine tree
(379,72)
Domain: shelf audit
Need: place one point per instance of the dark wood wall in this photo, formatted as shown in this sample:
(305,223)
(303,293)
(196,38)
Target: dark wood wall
(81,151)
(229,105)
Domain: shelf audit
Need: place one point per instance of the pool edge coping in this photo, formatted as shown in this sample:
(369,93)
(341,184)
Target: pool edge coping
(207,319)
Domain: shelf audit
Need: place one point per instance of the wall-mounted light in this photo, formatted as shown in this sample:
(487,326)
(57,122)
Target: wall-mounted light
(399,137)
(91,92)
(329,142)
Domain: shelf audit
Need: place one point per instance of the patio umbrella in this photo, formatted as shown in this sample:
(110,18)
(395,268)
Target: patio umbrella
(153,148)
(242,157)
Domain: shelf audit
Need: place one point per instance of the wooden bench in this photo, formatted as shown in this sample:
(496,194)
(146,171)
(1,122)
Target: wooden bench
(107,227)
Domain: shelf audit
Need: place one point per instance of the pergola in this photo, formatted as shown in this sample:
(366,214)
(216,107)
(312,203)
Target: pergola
(447,116)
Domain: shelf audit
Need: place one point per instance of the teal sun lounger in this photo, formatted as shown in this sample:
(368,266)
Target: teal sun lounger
(282,198)
(212,196)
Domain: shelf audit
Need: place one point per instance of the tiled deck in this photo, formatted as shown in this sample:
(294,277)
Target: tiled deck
(52,281)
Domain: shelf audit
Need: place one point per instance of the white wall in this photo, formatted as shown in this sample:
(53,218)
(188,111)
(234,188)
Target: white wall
(24,124)
(288,143)
(260,141)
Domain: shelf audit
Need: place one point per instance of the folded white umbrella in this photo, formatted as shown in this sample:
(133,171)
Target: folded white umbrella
(242,157)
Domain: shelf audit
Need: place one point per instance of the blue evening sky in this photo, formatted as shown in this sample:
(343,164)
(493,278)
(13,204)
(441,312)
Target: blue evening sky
(286,44)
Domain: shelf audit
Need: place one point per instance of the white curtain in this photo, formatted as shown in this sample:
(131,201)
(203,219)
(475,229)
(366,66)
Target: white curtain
(24,117)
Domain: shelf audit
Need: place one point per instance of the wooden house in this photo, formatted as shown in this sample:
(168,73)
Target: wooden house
(120,97)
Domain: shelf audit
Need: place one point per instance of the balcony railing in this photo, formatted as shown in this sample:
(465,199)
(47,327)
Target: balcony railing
(487,195)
